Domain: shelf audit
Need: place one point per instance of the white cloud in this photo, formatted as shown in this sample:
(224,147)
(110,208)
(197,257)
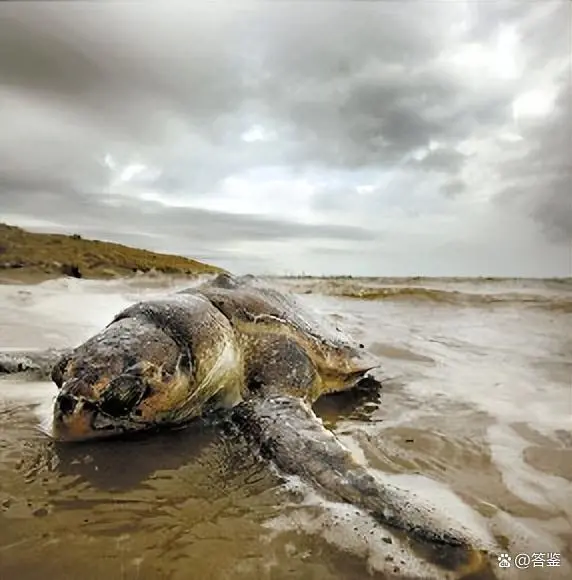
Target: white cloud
(258,133)
(535,103)
(131,171)
(478,62)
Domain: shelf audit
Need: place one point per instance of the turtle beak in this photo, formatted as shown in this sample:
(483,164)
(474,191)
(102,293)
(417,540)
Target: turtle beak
(73,418)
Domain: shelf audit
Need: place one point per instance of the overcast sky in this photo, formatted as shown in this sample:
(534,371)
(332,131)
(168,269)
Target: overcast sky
(365,138)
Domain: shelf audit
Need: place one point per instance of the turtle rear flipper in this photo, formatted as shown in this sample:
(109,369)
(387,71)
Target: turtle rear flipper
(287,432)
(281,365)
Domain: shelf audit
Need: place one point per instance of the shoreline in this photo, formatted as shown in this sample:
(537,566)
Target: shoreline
(25,276)
(37,275)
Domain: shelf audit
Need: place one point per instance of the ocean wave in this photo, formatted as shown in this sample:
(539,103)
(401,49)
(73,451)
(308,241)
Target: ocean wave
(444,296)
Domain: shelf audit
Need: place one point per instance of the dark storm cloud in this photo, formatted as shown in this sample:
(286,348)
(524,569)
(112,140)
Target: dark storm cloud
(88,89)
(123,65)
(347,85)
(335,78)
(130,221)
(539,180)
(453,187)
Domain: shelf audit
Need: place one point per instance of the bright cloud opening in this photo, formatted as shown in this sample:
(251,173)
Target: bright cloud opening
(535,103)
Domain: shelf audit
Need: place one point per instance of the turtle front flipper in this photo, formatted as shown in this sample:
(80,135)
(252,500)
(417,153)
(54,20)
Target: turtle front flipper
(279,364)
(288,432)
(36,364)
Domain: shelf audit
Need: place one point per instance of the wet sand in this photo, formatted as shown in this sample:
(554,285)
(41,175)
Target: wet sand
(475,415)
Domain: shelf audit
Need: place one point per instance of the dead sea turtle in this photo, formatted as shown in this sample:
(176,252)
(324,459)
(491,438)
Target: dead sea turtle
(169,360)
(231,344)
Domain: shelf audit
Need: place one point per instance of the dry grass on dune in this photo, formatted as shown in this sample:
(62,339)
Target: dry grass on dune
(31,256)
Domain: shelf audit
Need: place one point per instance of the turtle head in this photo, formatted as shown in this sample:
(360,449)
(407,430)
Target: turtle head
(121,381)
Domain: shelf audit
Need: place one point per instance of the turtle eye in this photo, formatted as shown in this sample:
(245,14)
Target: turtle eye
(122,395)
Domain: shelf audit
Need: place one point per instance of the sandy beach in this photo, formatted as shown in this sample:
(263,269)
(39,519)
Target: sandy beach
(475,415)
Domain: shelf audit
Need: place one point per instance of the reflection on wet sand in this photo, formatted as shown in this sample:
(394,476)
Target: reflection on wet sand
(475,414)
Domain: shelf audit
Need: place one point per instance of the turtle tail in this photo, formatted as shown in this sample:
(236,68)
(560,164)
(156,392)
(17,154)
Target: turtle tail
(287,432)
